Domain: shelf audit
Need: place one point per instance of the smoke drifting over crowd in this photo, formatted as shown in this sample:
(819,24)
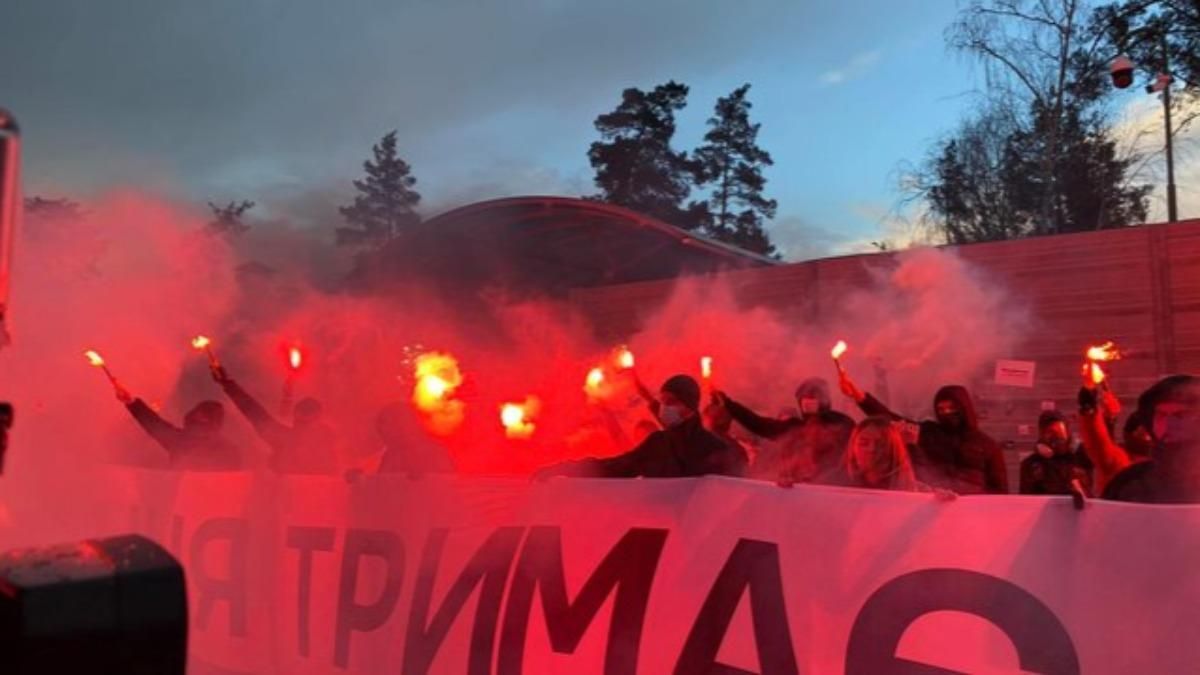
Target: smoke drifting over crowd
(136,278)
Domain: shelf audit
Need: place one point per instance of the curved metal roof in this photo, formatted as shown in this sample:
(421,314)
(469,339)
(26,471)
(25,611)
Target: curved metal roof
(554,244)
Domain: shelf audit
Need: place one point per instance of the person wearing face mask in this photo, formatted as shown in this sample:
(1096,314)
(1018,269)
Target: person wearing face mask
(952,452)
(308,446)
(198,446)
(1054,465)
(808,448)
(683,448)
(1172,474)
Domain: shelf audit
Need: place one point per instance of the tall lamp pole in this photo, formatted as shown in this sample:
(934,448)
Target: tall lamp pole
(1122,76)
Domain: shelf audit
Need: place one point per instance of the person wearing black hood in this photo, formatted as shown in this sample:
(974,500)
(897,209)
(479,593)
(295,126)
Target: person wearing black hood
(1055,465)
(308,446)
(810,446)
(684,448)
(407,447)
(1172,474)
(198,446)
(952,452)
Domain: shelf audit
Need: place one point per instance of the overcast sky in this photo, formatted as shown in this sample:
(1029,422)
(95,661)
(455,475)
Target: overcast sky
(279,100)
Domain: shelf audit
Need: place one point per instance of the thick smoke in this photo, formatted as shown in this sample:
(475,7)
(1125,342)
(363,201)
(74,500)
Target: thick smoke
(135,278)
(920,320)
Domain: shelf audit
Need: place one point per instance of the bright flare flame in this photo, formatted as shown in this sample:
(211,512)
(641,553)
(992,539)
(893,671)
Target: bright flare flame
(1103,353)
(94,358)
(838,350)
(595,378)
(201,342)
(625,358)
(295,358)
(517,418)
(706,367)
(437,377)
(1096,372)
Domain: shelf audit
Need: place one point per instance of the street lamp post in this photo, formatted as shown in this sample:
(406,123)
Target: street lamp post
(1165,79)
(1122,76)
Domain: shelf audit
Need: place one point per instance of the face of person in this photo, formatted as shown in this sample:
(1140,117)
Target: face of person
(948,413)
(673,412)
(870,453)
(1056,437)
(1175,422)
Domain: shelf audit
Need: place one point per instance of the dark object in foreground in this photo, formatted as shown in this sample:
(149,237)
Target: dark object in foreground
(6,422)
(115,606)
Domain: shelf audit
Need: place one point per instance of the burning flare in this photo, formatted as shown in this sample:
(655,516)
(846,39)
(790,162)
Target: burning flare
(624,358)
(202,343)
(437,377)
(1097,354)
(595,380)
(706,367)
(838,350)
(1103,353)
(295,358)
(96,360)
(517,418)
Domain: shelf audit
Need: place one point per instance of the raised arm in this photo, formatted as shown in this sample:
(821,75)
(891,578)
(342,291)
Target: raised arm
(751,421)
(167,435)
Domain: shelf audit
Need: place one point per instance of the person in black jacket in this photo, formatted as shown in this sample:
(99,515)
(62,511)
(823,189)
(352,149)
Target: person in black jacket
(810,447)
(684,448)
(1055,465)
(1172,475)
(198,446)
(407,447)
(952,452)
(308,446)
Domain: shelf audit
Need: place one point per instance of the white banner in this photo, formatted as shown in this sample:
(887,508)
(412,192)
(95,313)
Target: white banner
(471,575)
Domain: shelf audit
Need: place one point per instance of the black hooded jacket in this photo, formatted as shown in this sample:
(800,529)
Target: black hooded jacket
(962,459)
(301,451)
(187,448)
(1173,475)
(682,451)
(813,445)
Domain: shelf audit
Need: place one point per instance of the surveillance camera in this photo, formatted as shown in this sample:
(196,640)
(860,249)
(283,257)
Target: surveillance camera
(1122,72)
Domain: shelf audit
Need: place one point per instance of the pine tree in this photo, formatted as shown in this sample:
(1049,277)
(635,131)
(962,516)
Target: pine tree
(733,163)
(386,202)
(636,167)
(227,219)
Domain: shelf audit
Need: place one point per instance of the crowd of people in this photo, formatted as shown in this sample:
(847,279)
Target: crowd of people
(1157,459)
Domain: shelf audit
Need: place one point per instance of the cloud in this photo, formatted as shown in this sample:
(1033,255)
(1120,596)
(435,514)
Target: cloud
(1139,130)
(897,228)
(855,67)
(797,239)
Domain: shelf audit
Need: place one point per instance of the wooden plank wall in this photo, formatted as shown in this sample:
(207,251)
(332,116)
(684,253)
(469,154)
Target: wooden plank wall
(1139,286)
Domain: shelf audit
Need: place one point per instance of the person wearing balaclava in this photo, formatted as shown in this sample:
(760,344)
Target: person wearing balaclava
(1172,474)
(198,446)
(1054,464)
(683,448)
(308,446)
(808,448)
(952,452)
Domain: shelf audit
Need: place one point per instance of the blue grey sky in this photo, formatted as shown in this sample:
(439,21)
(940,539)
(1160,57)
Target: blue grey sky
(279,100)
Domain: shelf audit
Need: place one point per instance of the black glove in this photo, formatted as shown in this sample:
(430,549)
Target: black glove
(1089,400)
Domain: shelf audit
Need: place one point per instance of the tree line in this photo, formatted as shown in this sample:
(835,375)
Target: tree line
(1037,155)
